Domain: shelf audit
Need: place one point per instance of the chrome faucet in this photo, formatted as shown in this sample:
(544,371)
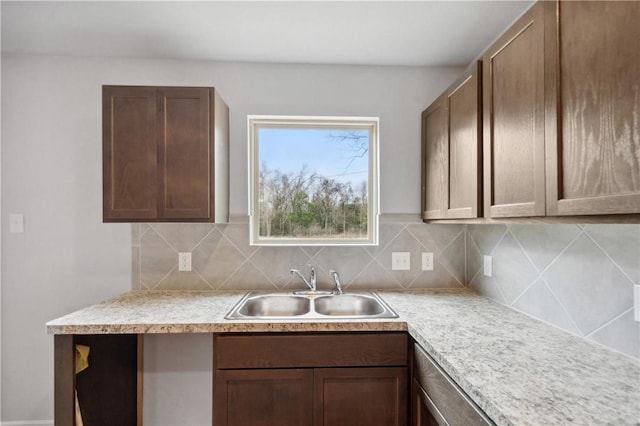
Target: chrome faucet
(336,280)
(312,278)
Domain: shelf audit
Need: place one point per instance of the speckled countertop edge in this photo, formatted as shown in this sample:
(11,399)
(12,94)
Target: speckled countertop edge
(550,378)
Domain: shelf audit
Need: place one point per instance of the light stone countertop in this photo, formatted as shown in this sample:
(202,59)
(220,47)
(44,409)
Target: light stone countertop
(520,371)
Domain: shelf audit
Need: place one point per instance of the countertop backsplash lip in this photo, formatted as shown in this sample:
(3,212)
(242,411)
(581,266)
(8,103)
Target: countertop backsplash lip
(519,370)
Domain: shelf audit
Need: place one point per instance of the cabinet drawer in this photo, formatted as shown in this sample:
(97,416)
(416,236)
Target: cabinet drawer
(310,350)
(443,396)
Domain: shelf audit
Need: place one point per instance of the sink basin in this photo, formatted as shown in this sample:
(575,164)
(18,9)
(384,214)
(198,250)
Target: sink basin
(310,305)
(346,305)
(275,306)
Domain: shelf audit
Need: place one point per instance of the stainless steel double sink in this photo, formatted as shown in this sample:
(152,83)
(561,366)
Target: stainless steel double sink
(310,305)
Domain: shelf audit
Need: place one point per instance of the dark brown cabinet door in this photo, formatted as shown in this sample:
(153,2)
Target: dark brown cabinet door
(159,152)
(593,112)
(464,196)
(514,114)
(451,139)
(420,406)
(129,153)
(263,397)
(434,159)
(184,172)
(360,396)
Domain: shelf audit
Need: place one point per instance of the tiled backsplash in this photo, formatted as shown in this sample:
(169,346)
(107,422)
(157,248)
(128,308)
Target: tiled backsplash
(223,259)
(578,278)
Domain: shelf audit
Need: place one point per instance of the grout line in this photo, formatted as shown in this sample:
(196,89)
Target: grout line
(164,239)
(202,278)
(606,324)
(566,311)
(586,232)
(446,269)
(555,259)
(164,277)
(213,228)
(535,268)
(506,231)
(362,270)
(497,284)
(470,240)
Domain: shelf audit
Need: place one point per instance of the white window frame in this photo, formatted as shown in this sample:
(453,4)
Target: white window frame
(256,122)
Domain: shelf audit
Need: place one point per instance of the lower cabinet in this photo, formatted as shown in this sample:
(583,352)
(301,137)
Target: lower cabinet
(315,379)
(437,400)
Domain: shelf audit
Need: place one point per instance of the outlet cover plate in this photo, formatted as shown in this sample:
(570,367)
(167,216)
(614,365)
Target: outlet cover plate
(487,266)
(427,261)
(184,261)
(636,302)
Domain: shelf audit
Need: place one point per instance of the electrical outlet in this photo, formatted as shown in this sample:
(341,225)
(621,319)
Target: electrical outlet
(184,262)
(427,261)
(636,302)
(488,267)
(400,261)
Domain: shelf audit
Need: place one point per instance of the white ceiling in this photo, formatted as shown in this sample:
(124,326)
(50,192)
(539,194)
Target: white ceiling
(422,33)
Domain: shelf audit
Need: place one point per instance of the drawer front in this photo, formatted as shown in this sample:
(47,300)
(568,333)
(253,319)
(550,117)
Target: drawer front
(450,402)
(310,350)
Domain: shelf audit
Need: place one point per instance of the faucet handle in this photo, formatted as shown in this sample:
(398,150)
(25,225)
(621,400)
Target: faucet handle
(336,280)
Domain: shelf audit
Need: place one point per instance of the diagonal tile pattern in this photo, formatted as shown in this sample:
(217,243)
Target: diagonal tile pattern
(577,277)
(223,259)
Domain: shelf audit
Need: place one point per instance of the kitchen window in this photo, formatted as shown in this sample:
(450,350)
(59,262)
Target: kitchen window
(313,180)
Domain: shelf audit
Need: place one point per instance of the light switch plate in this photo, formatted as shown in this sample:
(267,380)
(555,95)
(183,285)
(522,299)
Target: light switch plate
(487,269)
(400,261)
(427,261)
(184,262)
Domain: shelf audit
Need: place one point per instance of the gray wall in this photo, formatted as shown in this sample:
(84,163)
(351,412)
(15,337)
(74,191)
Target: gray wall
(51,171)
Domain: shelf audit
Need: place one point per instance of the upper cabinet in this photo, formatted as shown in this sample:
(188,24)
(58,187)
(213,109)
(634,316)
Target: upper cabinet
(592,65)
(165,154)
(560,115)
(513,100)
(451,141)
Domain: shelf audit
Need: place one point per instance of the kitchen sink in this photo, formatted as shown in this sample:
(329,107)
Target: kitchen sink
(312,306)
(270,306)
(348,305)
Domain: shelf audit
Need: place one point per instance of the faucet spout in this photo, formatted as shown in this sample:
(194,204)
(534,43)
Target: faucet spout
(312,284)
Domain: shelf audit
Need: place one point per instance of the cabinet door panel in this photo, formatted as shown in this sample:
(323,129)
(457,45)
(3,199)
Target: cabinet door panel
(421,408)
(434,153)
(514,120)
(464,133)
(129,153)
(184,175)
(360,396)
(594,85)
(263,397)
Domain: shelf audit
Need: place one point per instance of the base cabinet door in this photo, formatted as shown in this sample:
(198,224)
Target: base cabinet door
(263,397)
(360,396)
(420,406)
